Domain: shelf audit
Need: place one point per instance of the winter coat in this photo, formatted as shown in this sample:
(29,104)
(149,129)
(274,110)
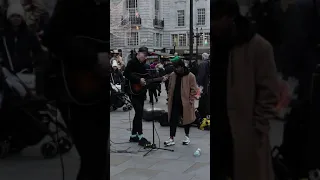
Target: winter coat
(188,92)
(253,90)
(203,76)
(252,95)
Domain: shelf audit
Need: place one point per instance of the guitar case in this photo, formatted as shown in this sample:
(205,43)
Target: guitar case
(156,114)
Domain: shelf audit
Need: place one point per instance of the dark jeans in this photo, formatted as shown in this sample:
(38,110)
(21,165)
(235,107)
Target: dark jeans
(176,114)
(166,84)
(89,129)
(152,93)
(222,152)
(137,103)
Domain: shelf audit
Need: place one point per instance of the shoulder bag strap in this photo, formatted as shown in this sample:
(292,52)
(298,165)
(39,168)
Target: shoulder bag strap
(8,53)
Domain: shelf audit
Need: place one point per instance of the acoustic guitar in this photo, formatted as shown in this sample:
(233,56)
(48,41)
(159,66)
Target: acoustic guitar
(87,85)
(137,88)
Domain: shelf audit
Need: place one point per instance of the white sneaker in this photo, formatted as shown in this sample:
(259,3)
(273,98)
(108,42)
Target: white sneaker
(169,142)
(186,141)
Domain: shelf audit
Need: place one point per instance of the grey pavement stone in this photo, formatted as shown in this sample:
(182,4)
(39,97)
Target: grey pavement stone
(173,176)
(174,166)
(135,174)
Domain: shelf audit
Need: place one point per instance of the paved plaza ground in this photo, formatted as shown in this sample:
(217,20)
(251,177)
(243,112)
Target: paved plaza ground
(158,165)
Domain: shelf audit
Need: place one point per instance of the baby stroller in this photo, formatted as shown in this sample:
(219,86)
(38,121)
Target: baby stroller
(118,98)
(26,119)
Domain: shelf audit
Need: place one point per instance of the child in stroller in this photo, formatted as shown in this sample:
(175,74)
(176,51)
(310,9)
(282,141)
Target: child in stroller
(118,98)
(26,119)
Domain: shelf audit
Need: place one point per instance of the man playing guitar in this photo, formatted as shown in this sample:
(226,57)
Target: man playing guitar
(79,41)
(134,67)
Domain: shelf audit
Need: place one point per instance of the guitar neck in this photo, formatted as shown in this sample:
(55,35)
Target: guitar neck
(154,80)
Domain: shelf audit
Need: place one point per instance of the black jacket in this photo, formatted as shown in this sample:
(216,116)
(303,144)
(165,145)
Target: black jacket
(134,66)
(203,76)
(23,46)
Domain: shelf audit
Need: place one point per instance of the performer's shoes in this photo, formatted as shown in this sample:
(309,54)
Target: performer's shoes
(186,141)
(169,142)
(134,139)
(144,142)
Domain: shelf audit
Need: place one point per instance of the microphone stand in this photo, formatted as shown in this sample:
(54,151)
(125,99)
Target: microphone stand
(153,145)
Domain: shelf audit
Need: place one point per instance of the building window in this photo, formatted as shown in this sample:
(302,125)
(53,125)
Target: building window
(182,40)
(157,39)
(132,8)
(201,16)
(201,42)
(133,39)
(174,39)
(206,39)
(180,14)
(157,9)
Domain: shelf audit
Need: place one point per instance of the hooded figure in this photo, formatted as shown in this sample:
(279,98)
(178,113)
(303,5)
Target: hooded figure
(116,76)
(19,47)
(182,90)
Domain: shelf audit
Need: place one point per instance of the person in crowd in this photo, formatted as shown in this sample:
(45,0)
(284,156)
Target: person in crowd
(137,65)
(181,101)
(119,60)
(203,80)
(244,98)
(20,47)
(152,88)
(116,75)
(194,67)
(168,68)
(36,13)
(70,20)
(161,72)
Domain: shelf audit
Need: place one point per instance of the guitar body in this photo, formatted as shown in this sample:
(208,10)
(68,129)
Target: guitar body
(138,89)
(86,85)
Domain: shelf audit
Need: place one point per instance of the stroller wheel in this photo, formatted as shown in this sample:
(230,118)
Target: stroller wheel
(49,150)
(125,108)
(65,144)
(4,149)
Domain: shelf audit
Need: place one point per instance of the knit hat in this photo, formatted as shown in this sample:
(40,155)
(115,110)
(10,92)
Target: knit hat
(177,61)
(15,8)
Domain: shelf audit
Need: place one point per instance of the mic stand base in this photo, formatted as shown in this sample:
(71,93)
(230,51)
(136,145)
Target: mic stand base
(154,147)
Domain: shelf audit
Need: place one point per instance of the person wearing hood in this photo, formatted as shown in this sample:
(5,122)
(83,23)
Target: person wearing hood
(19,46)
(244,98)
(181,96)
(116,75)
(203,80)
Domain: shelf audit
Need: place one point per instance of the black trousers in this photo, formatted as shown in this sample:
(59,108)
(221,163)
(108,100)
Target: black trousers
(138,104)
(153,93)
(89,129)
(166,84)
(176,114)
(222,152)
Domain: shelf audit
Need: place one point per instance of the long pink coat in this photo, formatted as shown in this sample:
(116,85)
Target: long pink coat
(188,92)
